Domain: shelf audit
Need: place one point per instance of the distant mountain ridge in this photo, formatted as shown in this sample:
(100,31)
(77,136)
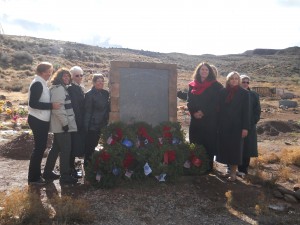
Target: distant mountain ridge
(19,56)
(288,51)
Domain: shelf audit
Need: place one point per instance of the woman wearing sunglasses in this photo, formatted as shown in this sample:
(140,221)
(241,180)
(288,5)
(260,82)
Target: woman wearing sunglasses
(250,142)
(76,92)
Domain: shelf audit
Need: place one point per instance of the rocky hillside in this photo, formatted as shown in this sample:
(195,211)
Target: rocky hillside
(19,55)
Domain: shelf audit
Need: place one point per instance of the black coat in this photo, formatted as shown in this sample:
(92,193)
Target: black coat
(233,118)
(78,138)
(77,100)
(250,142)
(97,107)
(204,131)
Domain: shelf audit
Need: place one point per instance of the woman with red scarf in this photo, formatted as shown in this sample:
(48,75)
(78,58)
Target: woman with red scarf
(202,101)
(234,122)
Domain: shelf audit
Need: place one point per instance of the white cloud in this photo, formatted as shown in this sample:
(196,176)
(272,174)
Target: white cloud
(193,27)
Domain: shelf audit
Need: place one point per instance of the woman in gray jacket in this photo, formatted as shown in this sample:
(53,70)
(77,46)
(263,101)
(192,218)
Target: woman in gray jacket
(62,123)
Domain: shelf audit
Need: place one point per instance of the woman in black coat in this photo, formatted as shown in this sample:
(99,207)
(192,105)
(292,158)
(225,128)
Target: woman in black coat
(76,93)
(97,107)
(234,123)
(202,101)
(250,142)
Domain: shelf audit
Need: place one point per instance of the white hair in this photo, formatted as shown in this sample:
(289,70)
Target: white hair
(75,70)
(244,76)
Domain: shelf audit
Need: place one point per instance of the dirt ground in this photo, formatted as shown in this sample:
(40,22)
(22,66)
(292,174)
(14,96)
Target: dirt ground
(206,199)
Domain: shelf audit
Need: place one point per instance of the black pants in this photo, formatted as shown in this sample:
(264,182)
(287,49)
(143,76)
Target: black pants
(91,143)
(40,134)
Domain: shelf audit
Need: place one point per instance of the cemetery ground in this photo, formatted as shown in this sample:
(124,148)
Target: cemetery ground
(265,196)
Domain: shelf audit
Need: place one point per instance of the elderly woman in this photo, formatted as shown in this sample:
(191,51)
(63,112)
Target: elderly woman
(97,107)
(233,123)
(76,93)
(250,142)
(39,119)
(61,124)
(202,102)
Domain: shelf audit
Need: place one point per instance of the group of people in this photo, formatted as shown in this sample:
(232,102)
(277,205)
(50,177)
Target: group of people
(223,119)
(74,117)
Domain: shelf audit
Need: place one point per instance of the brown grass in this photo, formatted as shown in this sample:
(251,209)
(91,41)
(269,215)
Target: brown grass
(26,206)
(269,158)
(291,156)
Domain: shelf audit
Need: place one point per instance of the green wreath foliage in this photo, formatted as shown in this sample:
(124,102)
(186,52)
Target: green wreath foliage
(128,147)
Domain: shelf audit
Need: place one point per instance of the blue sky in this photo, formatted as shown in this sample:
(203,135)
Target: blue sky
(187,26)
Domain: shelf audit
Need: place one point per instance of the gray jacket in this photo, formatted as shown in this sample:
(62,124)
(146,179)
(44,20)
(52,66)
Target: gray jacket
(65,115)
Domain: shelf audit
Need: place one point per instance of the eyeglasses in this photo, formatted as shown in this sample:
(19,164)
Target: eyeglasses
(245,82)
(79,75)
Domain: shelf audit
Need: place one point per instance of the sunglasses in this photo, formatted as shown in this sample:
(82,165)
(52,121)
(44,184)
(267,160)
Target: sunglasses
(79,75)
(245,82)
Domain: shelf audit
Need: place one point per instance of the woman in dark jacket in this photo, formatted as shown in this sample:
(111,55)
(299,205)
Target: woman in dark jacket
(76,93)
(234,123)
(250,142)
(202,103)
(97,103)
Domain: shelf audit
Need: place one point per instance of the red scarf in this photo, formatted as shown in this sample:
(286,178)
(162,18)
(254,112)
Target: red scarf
(199,88)
(231,93)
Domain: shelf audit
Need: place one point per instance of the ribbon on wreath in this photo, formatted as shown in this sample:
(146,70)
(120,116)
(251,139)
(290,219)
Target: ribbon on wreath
(169,156)
(167,133)
(128,161)
(142,132)
(117,136)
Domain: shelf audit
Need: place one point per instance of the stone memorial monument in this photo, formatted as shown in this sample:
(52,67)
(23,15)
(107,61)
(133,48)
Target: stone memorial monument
(143,91)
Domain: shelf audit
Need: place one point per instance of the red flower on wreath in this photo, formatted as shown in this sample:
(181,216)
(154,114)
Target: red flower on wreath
(117,136)
(169,156)
(167,132)
(104,156)
(128,161)
(195,160)
(143,133)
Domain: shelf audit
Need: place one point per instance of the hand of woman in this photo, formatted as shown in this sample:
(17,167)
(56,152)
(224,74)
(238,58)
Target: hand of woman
(198,115)
(56,105)
(244,133)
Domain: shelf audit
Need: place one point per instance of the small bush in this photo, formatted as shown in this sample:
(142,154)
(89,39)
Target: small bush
(70,210)
(291,156)
(21,57)
(269,158)
(22,207)
(25,206)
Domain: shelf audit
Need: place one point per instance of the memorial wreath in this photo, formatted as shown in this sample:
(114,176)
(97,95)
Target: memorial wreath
(137,151)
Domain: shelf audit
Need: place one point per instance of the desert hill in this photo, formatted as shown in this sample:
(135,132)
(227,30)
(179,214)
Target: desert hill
(20,54)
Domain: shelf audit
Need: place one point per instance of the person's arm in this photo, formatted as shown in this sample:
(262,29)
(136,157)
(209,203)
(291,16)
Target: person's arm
(58,95)
(88,110)
(36,91)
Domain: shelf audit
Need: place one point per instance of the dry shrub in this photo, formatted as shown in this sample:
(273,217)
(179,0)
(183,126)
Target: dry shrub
(264,178)
(69,210)
(22,207)
(285,173)
(269,158)
(291,156)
